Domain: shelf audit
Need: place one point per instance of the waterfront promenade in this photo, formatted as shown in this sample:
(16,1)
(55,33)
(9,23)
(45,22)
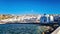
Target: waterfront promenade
(57,31)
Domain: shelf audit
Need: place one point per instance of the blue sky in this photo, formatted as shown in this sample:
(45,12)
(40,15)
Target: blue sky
(29,6)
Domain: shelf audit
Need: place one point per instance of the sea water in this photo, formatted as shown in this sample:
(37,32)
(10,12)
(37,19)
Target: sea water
(21,29)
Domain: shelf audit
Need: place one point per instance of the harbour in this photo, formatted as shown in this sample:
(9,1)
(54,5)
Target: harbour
(43,24)
(29,16)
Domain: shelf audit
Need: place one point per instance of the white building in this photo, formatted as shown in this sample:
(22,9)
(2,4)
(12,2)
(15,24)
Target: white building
(46,18)
(51,18)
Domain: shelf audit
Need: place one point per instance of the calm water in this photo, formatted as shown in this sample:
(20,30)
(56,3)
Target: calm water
(21,29)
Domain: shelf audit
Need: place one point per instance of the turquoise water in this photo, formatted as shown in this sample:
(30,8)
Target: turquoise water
(21,29)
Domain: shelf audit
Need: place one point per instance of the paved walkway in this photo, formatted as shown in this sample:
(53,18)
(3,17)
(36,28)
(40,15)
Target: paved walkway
(57,31)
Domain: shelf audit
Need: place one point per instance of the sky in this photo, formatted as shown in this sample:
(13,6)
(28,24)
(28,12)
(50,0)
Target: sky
(29,6)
